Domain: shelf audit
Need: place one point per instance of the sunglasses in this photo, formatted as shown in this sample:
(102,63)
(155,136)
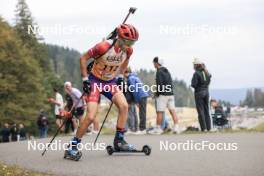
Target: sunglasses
(128,42)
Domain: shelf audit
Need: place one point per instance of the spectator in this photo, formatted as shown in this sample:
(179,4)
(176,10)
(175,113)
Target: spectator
(164,96)
(139,96)
(228,110)
(132,120)
(43,124)
(219,116)
(78,104)
(21,132)
(58,102)
(200,82)
(216,107)
(14,132)
(165,126)
(69,123)
(5,133)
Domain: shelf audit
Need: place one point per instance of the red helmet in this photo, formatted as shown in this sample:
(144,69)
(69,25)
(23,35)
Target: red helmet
(128,32)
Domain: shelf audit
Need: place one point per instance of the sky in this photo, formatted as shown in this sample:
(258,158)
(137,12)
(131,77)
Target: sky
(227,35)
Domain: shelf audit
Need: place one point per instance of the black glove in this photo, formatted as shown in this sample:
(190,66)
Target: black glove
(86,86)
(120,81)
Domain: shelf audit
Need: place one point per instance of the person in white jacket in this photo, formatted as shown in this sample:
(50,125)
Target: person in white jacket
(58,102)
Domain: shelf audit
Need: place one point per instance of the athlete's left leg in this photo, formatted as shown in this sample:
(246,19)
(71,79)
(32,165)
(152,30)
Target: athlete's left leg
(120,101)
(119,143)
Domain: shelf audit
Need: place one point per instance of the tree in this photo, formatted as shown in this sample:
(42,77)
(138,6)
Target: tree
(30,39)
(24,20)
(259,98)
(249,100)
(65,63)
(22,93)
(224,103)
(254,98)
(26,77)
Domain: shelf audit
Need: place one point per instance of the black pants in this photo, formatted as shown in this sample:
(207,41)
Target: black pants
(68,125)
(142,113)
(78,112)
(202,106)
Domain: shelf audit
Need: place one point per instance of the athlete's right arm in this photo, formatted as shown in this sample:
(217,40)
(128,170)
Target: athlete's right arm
(83,60)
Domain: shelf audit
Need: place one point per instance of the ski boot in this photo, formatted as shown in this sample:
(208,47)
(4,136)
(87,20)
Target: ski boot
(72,152)
(120,144)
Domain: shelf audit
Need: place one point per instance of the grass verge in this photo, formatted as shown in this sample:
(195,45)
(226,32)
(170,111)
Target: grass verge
(17,171)
(259,128)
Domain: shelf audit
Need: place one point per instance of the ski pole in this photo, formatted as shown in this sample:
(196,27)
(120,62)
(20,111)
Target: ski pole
(103,122)
(131,10)
(113,34)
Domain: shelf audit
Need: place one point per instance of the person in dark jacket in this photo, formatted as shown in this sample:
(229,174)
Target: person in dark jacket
(43,124)
(14,132)
(22,132)
(200,82)
(68,124)
(5,132)
(140,97)
(219,116)
(164,96)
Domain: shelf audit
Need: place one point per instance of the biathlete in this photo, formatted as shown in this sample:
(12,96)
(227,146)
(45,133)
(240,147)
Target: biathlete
(111,58)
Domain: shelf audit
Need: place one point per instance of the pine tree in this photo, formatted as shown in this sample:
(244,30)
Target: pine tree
(21,92)
(65,63)
(249,100)
(259,98)
(23,21)
(30,39)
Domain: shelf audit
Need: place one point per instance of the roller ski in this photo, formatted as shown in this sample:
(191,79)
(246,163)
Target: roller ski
(121,146)
(72,152)
(145,149)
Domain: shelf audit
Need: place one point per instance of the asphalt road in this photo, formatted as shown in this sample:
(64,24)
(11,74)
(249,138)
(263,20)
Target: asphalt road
(247,160)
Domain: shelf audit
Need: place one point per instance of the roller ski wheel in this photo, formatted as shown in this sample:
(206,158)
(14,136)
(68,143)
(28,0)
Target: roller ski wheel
(110,150)
(145,149)
(68,155)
